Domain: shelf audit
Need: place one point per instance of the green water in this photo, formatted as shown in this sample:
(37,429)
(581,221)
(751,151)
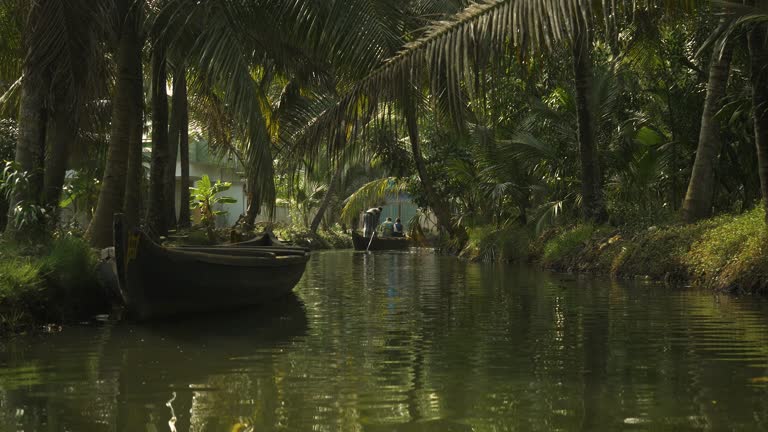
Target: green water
(409,342)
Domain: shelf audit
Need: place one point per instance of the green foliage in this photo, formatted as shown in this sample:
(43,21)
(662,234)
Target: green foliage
(733,255)
(70,265)
(81,192)
(19,277)
(204,196)
(658,253)
(8,136)
(568,242)
(14,182)
(370,194)
(333,238)
(491,243)
(57,285)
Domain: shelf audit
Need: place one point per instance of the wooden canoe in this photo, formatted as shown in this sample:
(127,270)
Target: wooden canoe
(380,243)
(157,282)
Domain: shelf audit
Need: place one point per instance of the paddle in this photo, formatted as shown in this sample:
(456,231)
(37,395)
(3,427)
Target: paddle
(370,241)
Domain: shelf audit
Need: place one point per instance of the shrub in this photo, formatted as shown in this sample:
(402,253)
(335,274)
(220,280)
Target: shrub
(567,243)
(732,254)
(489,243)
(335,238)
(73,289)
(21,289)
(20,279)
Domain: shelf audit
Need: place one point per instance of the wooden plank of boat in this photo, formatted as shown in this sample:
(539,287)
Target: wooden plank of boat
(265,241)
(242,251)
(380,243)
(157,282)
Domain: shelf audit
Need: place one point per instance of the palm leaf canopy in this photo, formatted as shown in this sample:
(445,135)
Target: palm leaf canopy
(373,192)
(451,54)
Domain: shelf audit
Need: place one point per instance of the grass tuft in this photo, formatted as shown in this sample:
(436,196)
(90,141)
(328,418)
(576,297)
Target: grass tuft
(567,243)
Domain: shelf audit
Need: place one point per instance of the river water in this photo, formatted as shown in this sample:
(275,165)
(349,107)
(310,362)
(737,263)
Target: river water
(409,342)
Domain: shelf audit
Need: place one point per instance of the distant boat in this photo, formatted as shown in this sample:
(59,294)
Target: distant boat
(156,282)
(380,243)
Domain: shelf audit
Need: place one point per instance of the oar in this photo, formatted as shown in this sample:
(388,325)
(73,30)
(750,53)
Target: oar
(371,240)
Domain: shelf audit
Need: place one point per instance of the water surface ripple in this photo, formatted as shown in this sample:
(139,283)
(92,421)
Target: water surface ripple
(409,342)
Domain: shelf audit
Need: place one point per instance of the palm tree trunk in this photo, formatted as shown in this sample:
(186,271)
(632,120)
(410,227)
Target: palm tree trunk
(436,203)
(157,214)
(178,106)
(326,199)
(113,185)
(758,53)
(185,218)
(30,148)
(62,132)
(698,199)
(254,204)
(591,181)
(132,202)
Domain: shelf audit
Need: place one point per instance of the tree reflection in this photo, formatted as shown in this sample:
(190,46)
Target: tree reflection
(410,342)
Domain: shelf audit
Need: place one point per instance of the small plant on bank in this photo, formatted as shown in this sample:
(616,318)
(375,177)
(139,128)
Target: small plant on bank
(567,243)
(204,197)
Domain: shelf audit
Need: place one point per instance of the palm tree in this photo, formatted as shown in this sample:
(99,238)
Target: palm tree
(698,199)
(456,49)
(126,126)
(591,180)
(758,55)
(59,40)
(181,110)
(157,214)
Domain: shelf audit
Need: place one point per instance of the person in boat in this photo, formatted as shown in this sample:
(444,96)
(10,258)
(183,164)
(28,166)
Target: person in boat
(388,228)
(371,221)
(398,228)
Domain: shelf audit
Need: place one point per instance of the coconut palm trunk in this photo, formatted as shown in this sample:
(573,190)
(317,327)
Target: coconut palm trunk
(254,203)
(132,202)
(698,199)
(758,53)
(157,213)
(439,206)
(178,103)
(30,149)
(185,218)
(591,181)
(62,132)
(113,185)
(326,199)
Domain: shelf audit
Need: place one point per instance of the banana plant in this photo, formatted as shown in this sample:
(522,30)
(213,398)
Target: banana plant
(204,197)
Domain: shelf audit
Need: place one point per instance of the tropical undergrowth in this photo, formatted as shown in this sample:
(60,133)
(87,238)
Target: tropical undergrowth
(332,237)
(56,282)
(726,253)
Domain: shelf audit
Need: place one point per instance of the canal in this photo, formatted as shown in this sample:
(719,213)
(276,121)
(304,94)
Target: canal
(409,342)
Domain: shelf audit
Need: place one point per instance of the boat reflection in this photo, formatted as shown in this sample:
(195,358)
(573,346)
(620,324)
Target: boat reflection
(172,361)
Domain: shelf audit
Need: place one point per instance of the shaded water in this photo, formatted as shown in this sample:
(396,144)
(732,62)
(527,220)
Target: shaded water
(409,342)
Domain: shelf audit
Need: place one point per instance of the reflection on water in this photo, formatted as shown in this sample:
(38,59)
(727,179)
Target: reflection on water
(410,342)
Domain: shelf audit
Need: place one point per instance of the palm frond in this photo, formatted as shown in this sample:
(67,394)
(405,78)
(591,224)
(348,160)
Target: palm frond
(455,49)
(372,193)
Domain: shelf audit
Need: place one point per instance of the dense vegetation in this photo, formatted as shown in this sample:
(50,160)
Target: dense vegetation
(505,119)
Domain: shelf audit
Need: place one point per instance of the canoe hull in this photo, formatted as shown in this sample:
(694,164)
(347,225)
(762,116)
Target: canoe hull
(157,282)
(379,244)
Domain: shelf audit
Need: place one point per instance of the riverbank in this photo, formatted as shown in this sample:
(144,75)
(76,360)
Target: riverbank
(323,239)
(726,253)
(52,283)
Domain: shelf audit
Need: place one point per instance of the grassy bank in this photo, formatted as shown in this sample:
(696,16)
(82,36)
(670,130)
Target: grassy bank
(727,253)
(48,284)
(333,238)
